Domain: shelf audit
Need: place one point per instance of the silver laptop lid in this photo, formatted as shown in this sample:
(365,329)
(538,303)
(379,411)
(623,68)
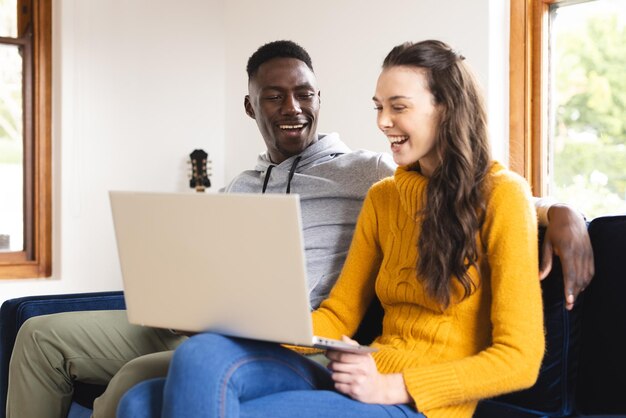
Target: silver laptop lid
(229,263)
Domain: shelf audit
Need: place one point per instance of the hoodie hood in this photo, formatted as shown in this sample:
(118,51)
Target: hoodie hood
(327,147)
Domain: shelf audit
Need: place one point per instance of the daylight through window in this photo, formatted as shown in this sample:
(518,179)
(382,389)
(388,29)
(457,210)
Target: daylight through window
(586,127)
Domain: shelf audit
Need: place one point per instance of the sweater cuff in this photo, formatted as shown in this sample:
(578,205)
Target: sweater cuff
(433,386)
(542,205)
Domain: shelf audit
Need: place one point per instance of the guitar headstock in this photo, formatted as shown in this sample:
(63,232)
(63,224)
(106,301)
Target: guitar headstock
(199,172)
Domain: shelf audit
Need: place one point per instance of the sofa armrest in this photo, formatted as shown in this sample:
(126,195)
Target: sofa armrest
(14,312)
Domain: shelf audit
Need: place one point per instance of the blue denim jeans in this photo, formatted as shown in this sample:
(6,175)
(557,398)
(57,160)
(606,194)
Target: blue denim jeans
(215,376)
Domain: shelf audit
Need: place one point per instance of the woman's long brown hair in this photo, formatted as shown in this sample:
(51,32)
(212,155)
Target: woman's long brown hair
(454,209)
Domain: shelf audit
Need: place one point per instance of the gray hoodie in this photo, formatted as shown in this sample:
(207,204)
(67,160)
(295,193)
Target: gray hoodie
(332,182)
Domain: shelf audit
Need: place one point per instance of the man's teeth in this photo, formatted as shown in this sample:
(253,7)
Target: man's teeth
(398,139)
(291,126)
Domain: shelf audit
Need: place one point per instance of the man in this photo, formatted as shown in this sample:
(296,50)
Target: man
(52,352)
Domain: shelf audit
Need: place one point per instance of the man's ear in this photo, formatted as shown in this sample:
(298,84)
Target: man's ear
(319,95)
(248,106)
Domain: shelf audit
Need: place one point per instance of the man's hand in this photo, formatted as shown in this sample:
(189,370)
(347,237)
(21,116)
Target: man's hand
(567,237)
(355,375)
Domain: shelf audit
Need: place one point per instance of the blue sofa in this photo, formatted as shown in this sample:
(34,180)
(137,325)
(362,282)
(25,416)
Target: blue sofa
(584,369)
(583,372)
(15,312)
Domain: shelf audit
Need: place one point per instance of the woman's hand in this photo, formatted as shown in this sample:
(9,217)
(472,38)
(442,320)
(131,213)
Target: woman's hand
(356,375)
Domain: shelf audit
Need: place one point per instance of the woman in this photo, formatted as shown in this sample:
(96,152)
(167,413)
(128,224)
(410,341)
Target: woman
(448,245)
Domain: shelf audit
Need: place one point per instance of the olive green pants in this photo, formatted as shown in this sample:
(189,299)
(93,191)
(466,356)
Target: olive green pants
(53,351)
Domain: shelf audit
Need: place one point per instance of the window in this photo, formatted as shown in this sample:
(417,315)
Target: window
(568,101)
(25,138)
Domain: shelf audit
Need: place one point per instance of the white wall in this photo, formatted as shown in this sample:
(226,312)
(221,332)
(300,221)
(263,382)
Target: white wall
(139,84)
(497,88)
(348,41)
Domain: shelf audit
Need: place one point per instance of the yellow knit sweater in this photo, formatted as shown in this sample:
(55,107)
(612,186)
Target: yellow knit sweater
(489,343)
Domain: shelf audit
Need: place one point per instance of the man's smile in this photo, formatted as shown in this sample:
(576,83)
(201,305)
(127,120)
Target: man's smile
(290,127)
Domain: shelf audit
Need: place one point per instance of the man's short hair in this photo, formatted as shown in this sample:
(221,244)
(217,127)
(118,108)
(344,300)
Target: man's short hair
(277,49)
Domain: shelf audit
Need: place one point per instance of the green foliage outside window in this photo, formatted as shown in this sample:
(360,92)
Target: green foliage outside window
(10,107)
(589,142)
(10,89)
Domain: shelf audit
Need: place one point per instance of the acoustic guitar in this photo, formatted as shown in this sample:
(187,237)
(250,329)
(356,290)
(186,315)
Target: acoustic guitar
(199,176)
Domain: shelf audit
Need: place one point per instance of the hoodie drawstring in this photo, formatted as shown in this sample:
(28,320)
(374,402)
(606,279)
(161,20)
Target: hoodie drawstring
(267,177)
(292,171)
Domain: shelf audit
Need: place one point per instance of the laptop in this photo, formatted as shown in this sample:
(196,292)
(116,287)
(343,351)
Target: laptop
(233,264)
